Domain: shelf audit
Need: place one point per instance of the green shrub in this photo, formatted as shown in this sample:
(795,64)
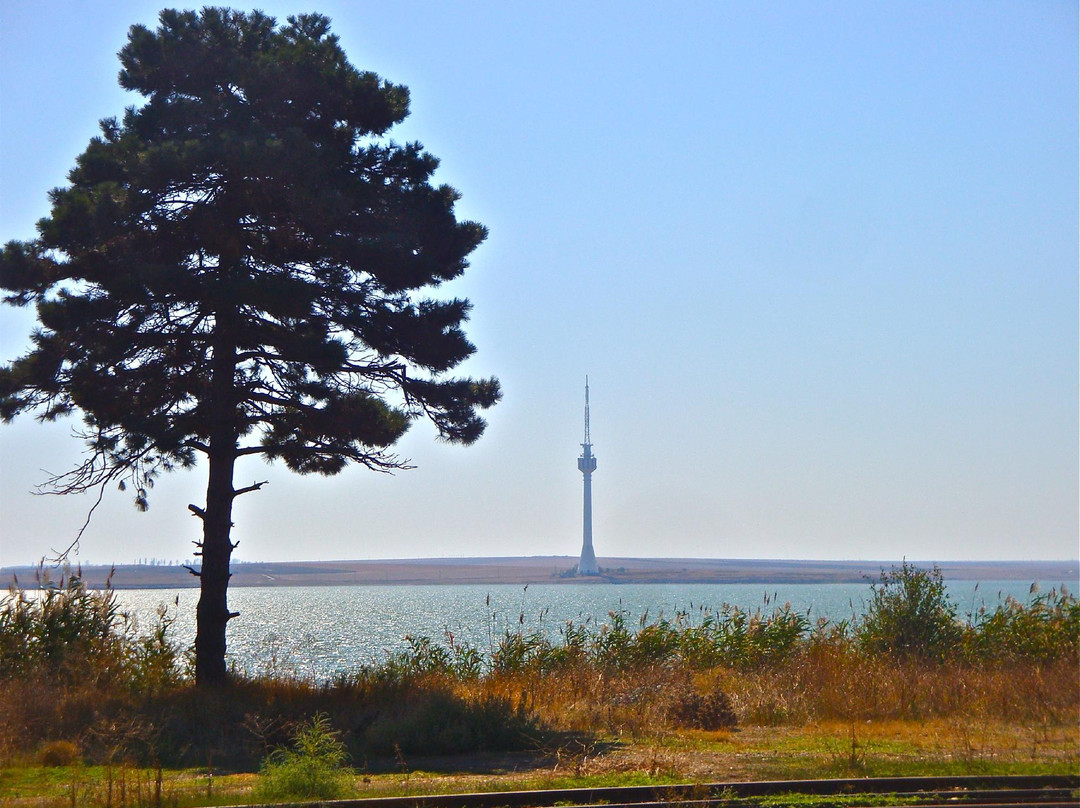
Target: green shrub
(910,615)
(613,645)
(314,768)
(777,638)
(517,652)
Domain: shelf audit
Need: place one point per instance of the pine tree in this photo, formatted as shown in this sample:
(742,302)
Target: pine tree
(239,267)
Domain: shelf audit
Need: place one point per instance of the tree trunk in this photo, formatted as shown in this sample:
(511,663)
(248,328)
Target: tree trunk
(212,614)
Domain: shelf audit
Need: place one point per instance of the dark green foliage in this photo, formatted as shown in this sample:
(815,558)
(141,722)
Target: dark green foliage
(910,615)
(729,637)
(239,267)
(245,210)
(425,656)
(739,639)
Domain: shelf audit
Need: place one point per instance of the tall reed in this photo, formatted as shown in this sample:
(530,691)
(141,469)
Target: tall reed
(74,668)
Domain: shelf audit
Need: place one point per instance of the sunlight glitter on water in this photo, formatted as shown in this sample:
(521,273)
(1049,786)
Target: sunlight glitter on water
(323,631)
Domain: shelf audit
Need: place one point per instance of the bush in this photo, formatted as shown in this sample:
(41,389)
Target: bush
(59,753)
(910,616)
(75,669)
(434,720)
(314,768)
(709,710)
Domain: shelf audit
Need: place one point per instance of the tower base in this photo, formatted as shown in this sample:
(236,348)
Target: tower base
(587,564)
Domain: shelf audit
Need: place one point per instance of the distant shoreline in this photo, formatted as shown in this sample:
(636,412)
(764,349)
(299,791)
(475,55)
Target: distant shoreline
(551,570)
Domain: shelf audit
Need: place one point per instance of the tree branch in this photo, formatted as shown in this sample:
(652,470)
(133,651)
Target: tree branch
(60,558)
(249,489)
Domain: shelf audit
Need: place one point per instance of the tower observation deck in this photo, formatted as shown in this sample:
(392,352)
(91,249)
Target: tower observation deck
(587,465)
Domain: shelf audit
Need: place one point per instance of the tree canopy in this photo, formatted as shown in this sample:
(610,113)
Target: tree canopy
(240,267)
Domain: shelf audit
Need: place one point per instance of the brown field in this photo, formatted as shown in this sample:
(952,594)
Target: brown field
(553,570)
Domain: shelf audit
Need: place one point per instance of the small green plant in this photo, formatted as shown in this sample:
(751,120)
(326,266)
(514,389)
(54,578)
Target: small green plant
(314,768)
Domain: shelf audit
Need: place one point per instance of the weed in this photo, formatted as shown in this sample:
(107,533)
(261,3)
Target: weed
(312,768)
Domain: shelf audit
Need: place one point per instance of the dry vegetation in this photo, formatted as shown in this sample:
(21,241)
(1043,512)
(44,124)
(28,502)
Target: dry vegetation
(706,695)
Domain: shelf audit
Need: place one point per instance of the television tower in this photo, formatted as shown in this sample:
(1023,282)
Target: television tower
(587,465)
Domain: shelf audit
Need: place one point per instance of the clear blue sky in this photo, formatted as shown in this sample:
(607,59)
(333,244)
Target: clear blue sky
(819,261)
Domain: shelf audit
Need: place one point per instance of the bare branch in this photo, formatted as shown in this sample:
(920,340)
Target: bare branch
(97,471)
(264,355)
(248,489)
(194,572)
(60,558)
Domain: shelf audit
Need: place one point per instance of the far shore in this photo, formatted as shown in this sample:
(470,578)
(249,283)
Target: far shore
(549,570)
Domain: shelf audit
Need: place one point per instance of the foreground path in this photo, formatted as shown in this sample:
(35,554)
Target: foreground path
(924,792)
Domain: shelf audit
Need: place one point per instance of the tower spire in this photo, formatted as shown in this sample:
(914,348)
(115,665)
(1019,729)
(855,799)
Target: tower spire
(587,440)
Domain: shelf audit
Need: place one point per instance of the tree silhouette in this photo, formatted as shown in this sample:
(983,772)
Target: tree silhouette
(238,268)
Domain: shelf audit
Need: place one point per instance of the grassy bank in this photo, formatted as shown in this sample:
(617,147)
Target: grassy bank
(892,748)
(94,710)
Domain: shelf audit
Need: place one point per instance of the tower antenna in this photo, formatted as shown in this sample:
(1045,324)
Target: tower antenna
(587,440)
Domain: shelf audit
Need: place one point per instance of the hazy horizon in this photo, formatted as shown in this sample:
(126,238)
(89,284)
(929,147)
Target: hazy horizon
(158,561)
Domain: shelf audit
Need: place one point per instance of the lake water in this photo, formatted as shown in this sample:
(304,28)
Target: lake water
(321,631)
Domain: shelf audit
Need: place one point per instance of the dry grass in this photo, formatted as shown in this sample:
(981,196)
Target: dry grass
(817,686)
(569,711)
(714,696)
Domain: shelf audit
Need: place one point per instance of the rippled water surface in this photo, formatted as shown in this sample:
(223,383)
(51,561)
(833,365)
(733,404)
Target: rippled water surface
(320,631)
